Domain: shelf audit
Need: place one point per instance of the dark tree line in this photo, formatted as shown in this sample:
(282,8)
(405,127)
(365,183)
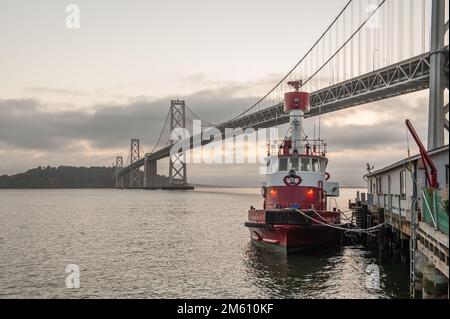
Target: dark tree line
(65,177)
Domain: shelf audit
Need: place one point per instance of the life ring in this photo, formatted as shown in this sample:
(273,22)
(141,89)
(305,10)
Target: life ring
(292,179)
(327,176)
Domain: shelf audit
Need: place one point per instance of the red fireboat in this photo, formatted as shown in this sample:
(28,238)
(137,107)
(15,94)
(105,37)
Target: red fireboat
(295,215)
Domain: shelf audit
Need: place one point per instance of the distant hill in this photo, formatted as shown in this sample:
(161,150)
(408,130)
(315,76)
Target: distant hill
(60,177)
(72,177)
(65,177)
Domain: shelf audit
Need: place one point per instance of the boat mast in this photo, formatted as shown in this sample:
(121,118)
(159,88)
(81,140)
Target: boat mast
(296,104)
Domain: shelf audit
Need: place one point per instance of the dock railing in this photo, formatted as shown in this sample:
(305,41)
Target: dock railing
(435,211)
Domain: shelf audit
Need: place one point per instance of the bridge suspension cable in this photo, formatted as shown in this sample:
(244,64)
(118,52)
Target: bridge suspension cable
(380,25)
(141,148)
(345,43)
(127,162)
(298,63)
(162,132)
(196,116)
(158,141)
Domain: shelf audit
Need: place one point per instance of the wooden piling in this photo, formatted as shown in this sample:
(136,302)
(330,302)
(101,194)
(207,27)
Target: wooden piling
(364,212)
(381,236)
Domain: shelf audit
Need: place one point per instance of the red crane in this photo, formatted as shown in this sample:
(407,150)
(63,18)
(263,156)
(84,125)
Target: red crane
(430,169)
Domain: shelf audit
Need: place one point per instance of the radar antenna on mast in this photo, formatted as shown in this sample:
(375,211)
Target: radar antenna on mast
(296,84)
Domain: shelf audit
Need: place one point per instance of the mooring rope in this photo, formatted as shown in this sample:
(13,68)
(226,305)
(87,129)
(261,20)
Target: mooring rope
(368,231)
(343,215)
(323,218)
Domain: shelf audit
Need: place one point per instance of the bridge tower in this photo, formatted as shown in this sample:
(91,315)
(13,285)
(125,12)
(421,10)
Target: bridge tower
(119,167)
(438,78)
(177,165)
(135,177)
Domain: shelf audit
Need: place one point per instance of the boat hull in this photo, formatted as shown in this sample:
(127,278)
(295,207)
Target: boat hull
(294,237)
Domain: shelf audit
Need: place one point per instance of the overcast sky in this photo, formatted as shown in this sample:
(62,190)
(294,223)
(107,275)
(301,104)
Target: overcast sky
(77,96)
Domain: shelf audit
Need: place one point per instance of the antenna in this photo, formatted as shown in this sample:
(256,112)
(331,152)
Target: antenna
(320,115)
(296,84)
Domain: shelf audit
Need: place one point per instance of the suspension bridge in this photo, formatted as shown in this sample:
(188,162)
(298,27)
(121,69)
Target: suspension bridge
(372,50)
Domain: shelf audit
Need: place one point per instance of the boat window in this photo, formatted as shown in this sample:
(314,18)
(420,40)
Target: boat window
(274,166)
(323,165)
(315,165)
(294,164)
(283,164)
(306,164)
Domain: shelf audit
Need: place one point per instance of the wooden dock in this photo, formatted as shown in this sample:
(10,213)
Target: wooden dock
(407,236)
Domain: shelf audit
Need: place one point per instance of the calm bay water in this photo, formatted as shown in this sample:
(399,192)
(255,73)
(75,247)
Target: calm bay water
(161,244)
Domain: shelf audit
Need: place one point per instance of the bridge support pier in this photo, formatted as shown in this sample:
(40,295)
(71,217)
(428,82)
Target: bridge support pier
(150,174)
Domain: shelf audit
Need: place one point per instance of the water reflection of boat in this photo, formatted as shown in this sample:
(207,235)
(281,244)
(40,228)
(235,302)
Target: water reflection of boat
(339,272)
(289,275)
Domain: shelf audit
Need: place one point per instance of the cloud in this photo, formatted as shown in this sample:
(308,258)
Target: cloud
(54,90)
(27,124)
(376,125)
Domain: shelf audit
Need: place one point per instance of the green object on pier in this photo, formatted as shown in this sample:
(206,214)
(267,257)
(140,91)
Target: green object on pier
(434,210)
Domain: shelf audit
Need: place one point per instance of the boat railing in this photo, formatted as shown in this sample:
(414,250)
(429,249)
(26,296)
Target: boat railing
(297,147)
